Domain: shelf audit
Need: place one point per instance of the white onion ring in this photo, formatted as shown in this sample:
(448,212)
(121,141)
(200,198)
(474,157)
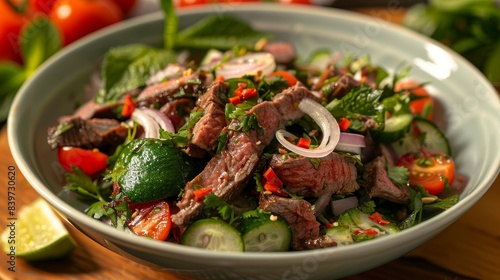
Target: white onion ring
(148,123)
(328,125)
(260,63)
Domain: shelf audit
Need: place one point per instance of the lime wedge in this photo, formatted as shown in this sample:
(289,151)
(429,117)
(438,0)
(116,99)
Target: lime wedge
(36,234)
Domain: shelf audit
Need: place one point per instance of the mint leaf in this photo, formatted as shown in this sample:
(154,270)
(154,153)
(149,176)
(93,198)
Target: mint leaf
(220,32)
(128,67)
(398,174)
(39,41)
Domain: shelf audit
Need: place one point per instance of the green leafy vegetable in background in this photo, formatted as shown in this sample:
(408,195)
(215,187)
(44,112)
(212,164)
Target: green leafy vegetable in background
(470,27)
(39,40)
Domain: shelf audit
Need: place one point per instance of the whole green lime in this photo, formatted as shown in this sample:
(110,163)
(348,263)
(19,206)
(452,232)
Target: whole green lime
(150,169)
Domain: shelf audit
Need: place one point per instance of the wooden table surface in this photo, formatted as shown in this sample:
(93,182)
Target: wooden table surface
(468,249)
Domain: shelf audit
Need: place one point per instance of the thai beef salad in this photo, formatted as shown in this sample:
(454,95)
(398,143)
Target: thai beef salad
(227,139)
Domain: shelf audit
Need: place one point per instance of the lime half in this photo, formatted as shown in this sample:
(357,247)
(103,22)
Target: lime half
(37,234)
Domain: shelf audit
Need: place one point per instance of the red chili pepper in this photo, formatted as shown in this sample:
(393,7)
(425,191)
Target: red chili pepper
(344,124)
(248,93)
(377,218)
(270,187)
(369,232)
(219,79)
(235,100)
(304,143)
(271,176)
(199,194)
(128,106)
(239,90)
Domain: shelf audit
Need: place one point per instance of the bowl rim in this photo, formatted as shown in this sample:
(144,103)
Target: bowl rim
(182,251)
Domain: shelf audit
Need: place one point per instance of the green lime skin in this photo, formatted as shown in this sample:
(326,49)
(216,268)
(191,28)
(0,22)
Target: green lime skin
(151,169)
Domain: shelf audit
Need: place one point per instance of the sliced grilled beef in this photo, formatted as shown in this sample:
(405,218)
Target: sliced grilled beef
(299,215)
(213,121)
(378,184)
(228,172)
(162,93)
(342,86)
(91,109)
(87,133)
(303,176)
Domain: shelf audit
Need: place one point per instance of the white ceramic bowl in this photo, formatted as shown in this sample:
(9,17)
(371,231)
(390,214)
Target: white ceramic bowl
(472,117)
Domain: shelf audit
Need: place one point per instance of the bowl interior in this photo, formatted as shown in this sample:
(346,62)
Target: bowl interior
(471,105)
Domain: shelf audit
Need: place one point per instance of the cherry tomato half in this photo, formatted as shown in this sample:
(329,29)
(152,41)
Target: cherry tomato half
(89,161)
(77,18)
(423,106)
(153,220)
(429,169)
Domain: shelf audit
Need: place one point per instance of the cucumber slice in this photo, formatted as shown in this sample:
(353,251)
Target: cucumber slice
(340,234)
(320,59)
(263,234)
(396,127)
(213,235)
(431,137)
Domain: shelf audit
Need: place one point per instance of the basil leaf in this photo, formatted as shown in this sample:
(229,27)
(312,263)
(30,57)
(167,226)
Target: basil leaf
(38,41)
(12,77)
(128,67)
(171,24)
(220,33)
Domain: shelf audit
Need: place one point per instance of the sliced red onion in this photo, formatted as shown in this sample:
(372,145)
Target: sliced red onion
(164,122)
(343,204)
(260,63)
(350,142)
(321,203)
(328,125)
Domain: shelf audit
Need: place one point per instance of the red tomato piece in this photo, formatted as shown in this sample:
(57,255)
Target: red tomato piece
(89,161)
(429,169)
(77,18)
(289,77)
(152,221)
(186,3)
(424,105)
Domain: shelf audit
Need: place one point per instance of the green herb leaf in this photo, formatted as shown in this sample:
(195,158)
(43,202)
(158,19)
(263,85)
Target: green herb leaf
(220,32)
(38,41)
(128,67)
(398,174)
(171,24)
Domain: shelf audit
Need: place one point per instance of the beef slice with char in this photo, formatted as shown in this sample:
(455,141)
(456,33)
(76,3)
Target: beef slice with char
(207,130)
(162,93)
(333,174)
(87,133)
(299,215)
(377,183)
(228,172)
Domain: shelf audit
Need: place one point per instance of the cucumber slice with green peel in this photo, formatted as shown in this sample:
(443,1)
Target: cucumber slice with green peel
(340,234)
(213,235)
(426,135)
(396,127)
(264,233)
